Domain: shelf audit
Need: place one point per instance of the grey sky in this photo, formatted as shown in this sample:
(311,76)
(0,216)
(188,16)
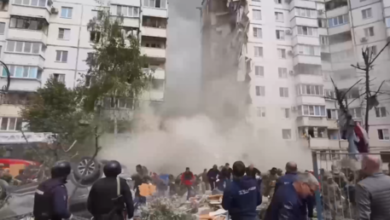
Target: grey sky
(183,56)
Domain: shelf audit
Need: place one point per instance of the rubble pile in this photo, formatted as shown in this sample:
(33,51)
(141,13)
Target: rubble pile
(163,208)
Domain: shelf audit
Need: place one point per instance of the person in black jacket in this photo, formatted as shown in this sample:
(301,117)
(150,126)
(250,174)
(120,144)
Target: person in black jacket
(107,201)
(51,196)
(212,176)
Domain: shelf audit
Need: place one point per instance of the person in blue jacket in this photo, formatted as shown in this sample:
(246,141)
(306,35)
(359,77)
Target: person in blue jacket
(241,196)
(51,196)
(288,201)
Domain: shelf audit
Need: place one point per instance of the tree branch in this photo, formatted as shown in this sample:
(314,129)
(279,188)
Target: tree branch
(387,44)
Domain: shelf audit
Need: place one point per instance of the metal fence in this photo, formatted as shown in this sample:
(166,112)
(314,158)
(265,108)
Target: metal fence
(338,173)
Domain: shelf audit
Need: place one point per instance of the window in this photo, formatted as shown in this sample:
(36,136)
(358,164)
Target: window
(280,34)
(2,28)
(10,124)
(279,17)
(62,56)
(259,71)
(261,112)
(125,11)
(257,32)
(369,32)
(324,40)
(332,114)
(278,1)
(256,14)
(312,110)
(339,20)
(304,12)
(258,51)
(330,94)
(29,72)
(155,3)
(367,13)
(26,23)
(282,53)
(23,47)
(286,134)
(286,112)
(283,92)
(63,34)
(387,22)
(66,12)
(308,50)
(282,72)
(59,77)
(312,90)
(380,112)
(36,3)
(383,134)
(356,112)
(307,31)
(260,91)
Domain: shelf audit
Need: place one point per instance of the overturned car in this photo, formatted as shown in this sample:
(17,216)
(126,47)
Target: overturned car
(17,201)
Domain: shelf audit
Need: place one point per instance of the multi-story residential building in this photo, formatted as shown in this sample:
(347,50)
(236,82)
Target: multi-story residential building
(44,38)
(295,46)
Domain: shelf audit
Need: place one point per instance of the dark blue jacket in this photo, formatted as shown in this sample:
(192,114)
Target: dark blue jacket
(241,197)
(212,175)
(60,201)
(290,178)
(286,205)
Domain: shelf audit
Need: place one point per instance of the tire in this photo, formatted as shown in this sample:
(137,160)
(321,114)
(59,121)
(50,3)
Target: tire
(93,172)
(3,189)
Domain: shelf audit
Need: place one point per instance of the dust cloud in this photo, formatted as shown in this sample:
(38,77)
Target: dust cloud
(182,133)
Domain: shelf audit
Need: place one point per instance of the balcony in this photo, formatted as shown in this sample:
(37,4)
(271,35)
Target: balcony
(332,124)
(22,84)
(324,144)
(24,59)
(309,79)
(155,12)
(305,121)
(9,110)
(326,66)
(30,35)
(322,31)
(157,73)
(131,22)
(30,11)
(308,22)
(302,4)
(154,32)
(310,100)
(305,40)
(306,59)
(153,52)
(339,29)
(337,11)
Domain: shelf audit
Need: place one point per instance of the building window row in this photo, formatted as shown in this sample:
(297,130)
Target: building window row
(10,124)
(261,112)
(35,3)
(125,11)
(313,90)
(259,72)
(304,12)
(23,47)
(307,31)
(26,23)
(27,72)
(339,20)
(156,3)
(308,50)
(312,110)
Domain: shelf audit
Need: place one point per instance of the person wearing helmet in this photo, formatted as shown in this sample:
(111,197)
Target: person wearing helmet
(110,196)
(51,196)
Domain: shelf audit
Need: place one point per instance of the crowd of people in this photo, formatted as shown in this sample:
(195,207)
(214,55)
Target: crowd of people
(291,195)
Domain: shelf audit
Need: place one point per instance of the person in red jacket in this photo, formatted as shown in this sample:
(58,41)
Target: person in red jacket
(187,179)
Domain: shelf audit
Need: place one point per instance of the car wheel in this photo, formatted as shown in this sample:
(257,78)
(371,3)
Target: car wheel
(92,171)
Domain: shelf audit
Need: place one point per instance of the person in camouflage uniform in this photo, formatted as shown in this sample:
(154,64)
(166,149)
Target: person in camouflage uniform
(332,197)
(269,180)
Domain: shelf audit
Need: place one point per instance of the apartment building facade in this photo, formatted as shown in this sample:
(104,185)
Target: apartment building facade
(44,38)
(295,47)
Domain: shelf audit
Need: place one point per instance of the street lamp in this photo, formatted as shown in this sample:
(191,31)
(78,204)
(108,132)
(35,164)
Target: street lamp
(5,88)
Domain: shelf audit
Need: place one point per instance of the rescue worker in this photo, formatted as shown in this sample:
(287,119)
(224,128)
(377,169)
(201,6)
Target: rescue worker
(212,176)
(338,176)
(241,196)
(332,197)
(224,177)
(269,180)
(110,196)
(187,179)
(290,176)
(51,196)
